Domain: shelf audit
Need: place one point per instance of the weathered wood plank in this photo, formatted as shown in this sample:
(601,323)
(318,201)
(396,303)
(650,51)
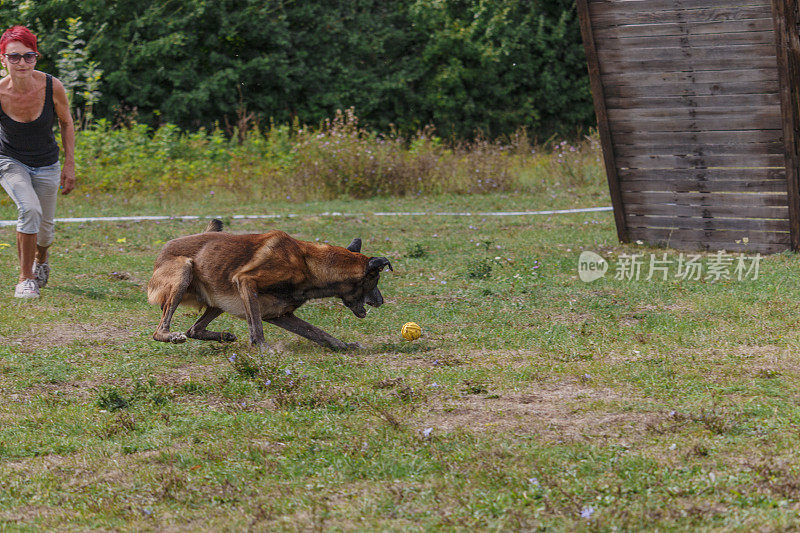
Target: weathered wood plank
(690,28)
(599,7)
(693,40)
(769,186)
(708,174)
(701,139)
(724,211)
(753,224)
(676,90)
(620,17)
(757,122)
(695,113)
(700,55)
(699,150)
(685,65)
(691,101)
(629,157)
(702,161)
(678,79)
(710,199)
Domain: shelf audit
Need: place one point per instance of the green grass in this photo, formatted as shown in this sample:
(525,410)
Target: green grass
(532,400)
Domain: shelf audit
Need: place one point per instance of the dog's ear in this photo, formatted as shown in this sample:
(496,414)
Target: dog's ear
(355,246)
(213,225)
(377,264)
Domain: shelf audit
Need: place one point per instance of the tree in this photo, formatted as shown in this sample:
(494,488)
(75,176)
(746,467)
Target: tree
(80,75)
(463,65)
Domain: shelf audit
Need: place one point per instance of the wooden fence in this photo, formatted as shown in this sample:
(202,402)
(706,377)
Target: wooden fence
(697,110)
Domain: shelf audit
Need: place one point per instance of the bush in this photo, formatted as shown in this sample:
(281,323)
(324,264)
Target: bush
(112,398)
(416,250)
(479,269)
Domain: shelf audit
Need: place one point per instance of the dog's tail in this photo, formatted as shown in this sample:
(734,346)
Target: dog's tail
(214,225)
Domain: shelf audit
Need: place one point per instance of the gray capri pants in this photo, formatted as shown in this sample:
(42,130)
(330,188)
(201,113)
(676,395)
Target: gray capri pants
(35,191)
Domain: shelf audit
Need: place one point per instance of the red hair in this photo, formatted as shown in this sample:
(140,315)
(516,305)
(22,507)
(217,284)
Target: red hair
(18,33)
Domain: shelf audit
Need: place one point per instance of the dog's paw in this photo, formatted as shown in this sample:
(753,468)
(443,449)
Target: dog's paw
(353,346)
(228,337)
(177,338)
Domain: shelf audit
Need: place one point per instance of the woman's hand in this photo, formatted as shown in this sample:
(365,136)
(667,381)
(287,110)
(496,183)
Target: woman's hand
(67,178)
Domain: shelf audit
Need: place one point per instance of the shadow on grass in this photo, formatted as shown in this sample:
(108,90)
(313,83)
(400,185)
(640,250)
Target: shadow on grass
(93,294)
(98,294)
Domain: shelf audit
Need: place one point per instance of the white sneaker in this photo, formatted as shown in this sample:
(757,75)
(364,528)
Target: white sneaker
(41,271)
(26,288)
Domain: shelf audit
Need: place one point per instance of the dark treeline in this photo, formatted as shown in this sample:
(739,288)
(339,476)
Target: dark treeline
(465,66)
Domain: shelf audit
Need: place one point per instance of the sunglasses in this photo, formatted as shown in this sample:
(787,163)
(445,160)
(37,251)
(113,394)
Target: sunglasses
(30,57)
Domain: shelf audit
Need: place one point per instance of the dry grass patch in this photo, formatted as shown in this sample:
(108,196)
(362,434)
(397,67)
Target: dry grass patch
(556,411)
(570,319)
(29,514)
(81,390)
(66,333)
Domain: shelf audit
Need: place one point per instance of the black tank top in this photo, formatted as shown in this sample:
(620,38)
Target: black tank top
(31,143)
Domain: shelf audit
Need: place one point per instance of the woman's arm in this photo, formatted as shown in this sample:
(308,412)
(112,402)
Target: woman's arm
(67,128)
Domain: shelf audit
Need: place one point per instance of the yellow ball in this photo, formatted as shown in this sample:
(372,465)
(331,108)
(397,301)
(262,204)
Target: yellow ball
(411,331)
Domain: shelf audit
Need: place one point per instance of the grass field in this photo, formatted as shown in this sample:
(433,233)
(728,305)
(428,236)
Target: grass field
(532,400)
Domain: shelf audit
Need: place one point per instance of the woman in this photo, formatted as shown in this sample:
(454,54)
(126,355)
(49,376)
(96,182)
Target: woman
(30,171)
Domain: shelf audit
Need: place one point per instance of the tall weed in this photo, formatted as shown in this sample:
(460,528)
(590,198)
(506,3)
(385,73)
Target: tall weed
(344,159)
(578,164)
(339,158)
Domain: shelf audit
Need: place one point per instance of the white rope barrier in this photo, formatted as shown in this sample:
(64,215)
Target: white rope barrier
(142,218)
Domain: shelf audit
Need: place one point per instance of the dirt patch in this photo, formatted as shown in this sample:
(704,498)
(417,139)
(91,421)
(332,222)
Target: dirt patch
(762,361)
(559,411)
(83,390)
(28,514)
(765,362)
(769,351)
(65,333)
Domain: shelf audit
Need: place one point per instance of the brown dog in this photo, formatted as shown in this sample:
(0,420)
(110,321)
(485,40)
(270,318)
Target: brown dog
(259,277)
